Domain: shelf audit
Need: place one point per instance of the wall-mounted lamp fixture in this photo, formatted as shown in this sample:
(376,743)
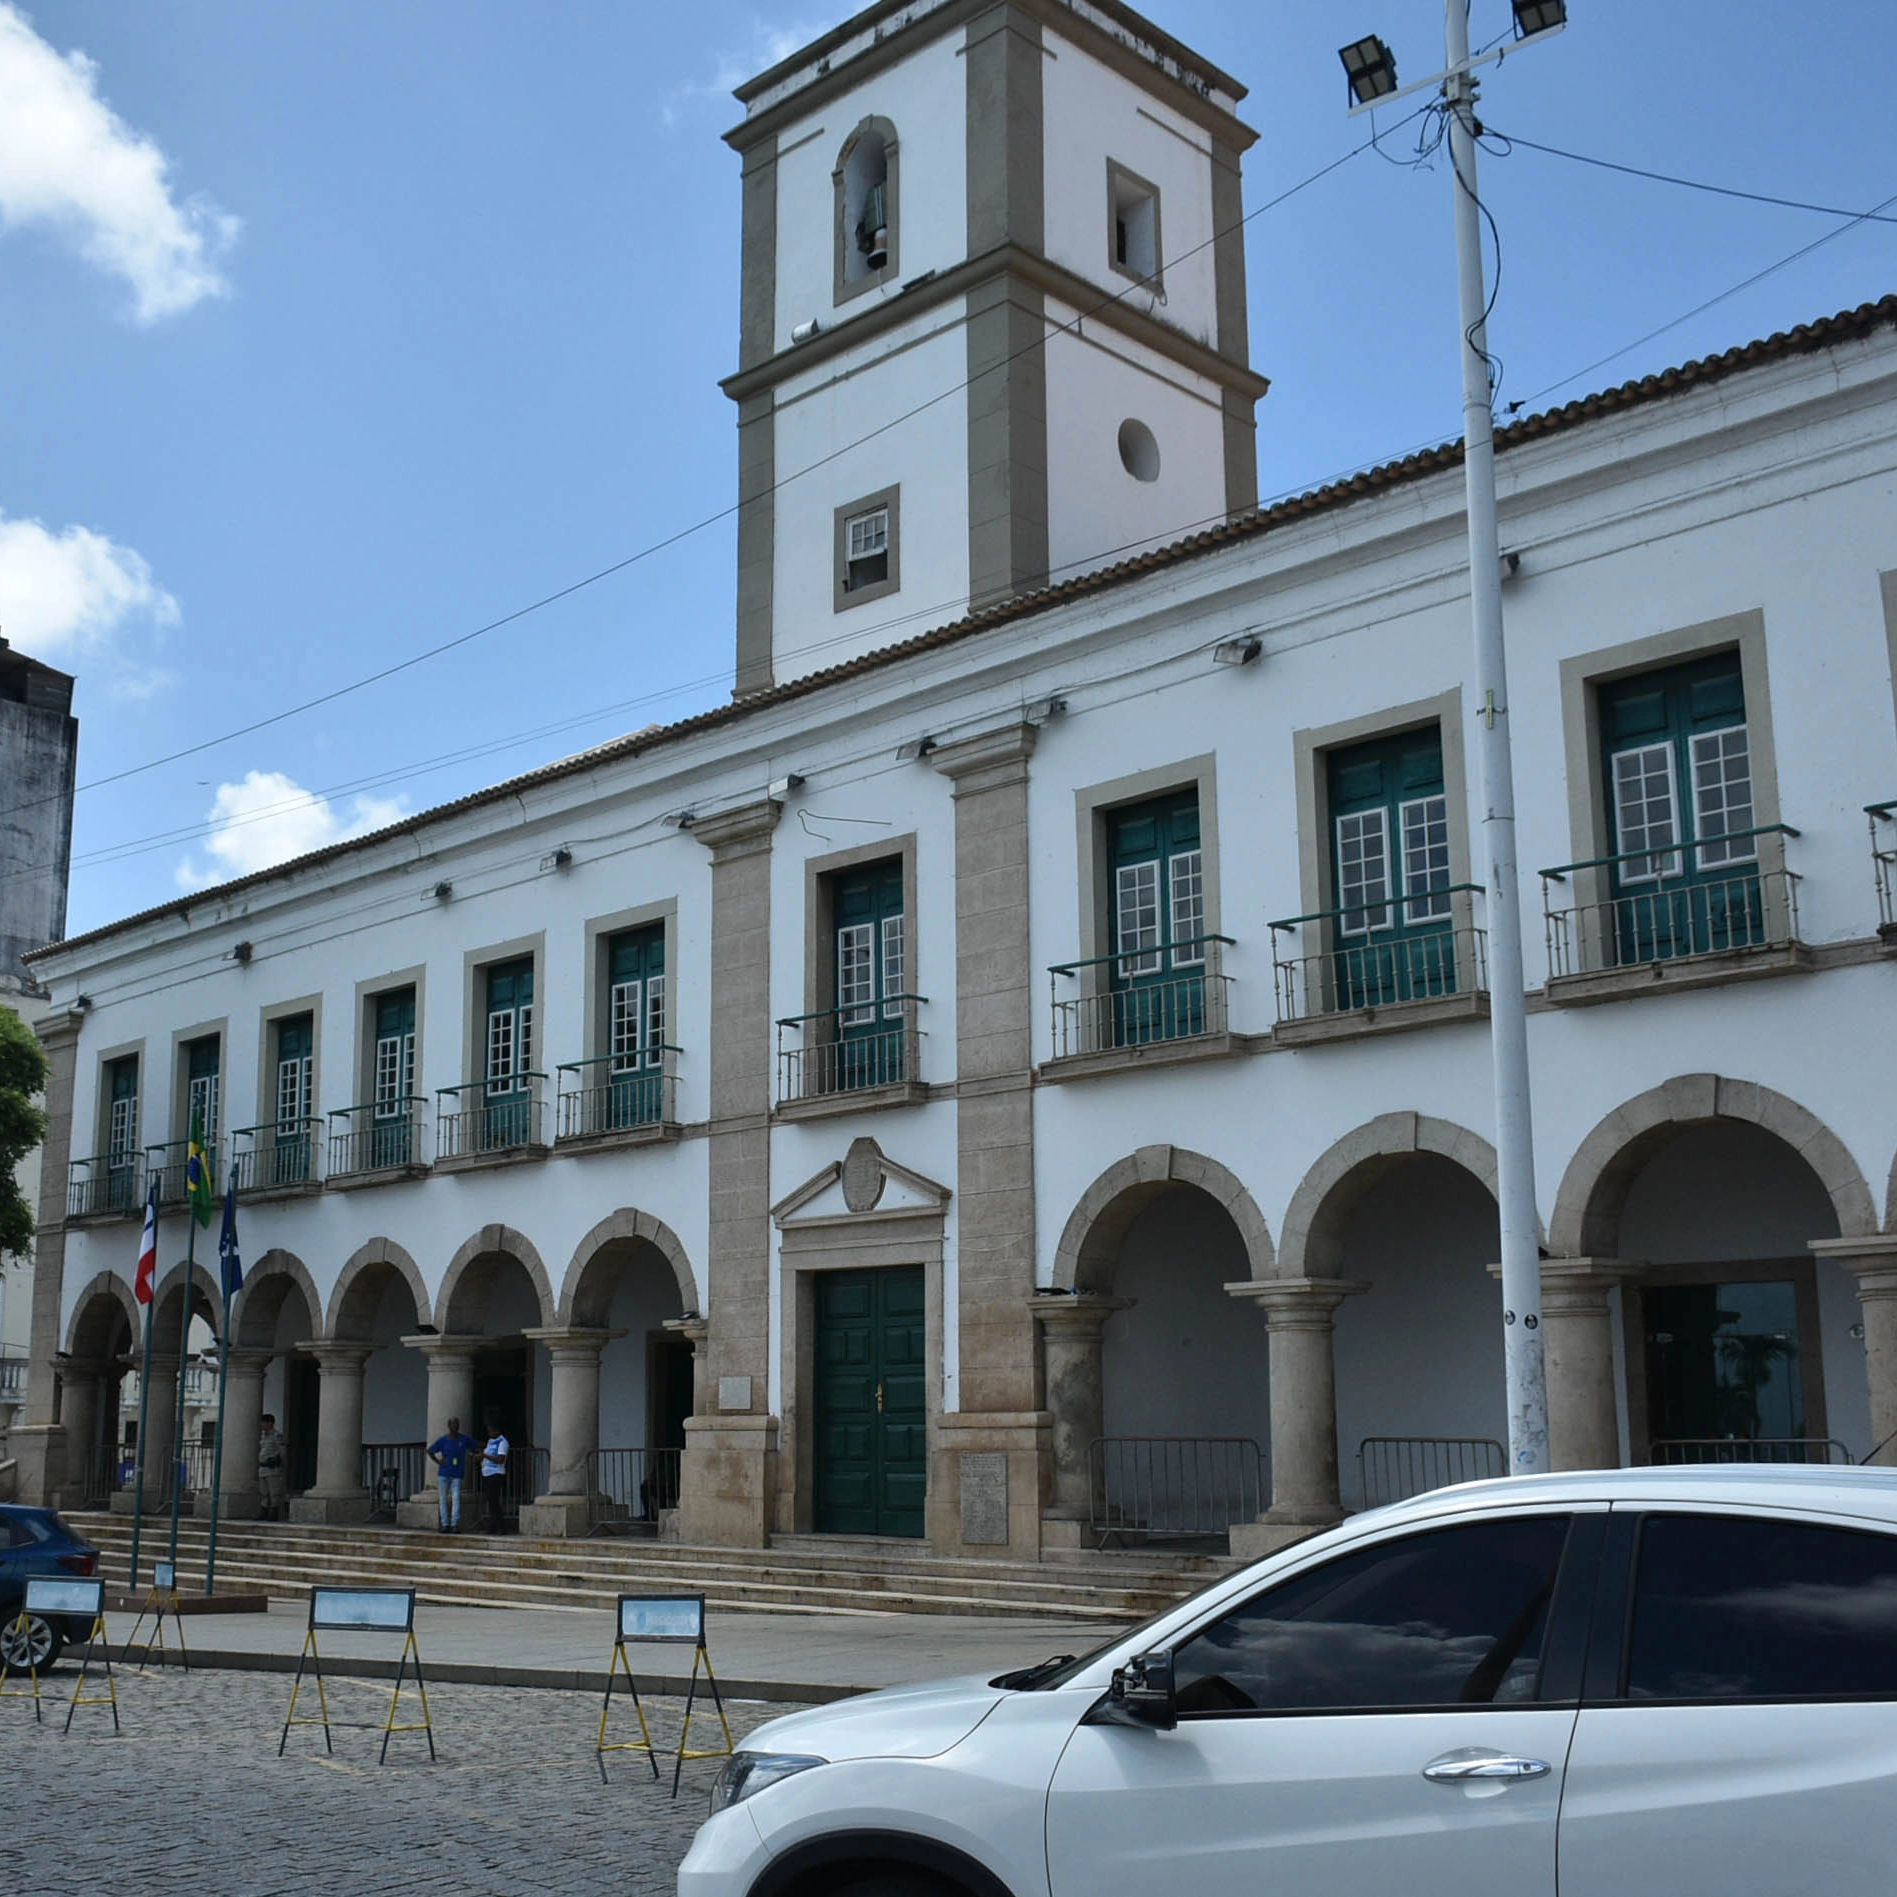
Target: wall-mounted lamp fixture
(557,859)
(678,819)
(240,952)
(80,1008)
(1043,709)
(781,787)
(915,748)
(441,892)
(1238,651)
(803,332)
(1511,567)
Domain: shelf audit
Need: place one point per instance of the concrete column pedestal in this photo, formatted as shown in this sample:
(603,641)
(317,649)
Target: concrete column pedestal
(1299,1314)
(574,1428)
(79,1381)
(450,1393)
(1578,1347)
(338,1495)
(1873,1263)
(1071,1328)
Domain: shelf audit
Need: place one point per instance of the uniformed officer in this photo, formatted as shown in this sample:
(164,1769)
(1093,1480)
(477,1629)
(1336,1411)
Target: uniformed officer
(270,1470)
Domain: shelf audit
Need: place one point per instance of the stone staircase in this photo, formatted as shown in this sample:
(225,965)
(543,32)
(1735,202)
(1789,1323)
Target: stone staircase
(801,1574)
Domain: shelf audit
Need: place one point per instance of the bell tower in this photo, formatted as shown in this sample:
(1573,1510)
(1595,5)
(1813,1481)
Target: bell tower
(992,325)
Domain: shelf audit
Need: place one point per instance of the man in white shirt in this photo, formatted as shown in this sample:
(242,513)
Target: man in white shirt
(494,1474)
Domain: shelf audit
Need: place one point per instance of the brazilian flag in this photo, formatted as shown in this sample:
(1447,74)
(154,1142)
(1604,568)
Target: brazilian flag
(199,1193)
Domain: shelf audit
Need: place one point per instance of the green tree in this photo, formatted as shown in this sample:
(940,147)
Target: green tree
(22,1125)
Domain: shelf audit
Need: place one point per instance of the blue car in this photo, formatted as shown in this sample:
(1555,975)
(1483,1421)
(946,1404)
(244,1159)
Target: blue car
(34,1542)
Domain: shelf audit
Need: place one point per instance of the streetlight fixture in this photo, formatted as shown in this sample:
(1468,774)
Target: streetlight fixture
(1370,69)
(1523,1357)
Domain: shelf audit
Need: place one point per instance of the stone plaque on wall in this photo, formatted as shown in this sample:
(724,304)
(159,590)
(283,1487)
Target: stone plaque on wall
(985,1498)
(734,1393)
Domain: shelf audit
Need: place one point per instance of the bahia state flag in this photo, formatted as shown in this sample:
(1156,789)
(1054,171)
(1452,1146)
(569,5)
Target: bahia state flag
(227,1251)
(145,1283)
(199,1193)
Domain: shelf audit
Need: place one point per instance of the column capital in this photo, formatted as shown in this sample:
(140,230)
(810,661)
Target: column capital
(695,1330)
(245,1360)
(1298,1303)
(431,1345)
(739,832)
(989,758)
(83,1369)
(573,1343)
(1871,1261)
(1580,1284)
(334,1359)
(1079,1311)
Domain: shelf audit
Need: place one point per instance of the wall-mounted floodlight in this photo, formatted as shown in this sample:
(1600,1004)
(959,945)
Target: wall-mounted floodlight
(1370,67)
(678,819)
(1539,16)
(557,859)
(1238,651)
(241,952)
(805,331)
(81,1007)
(781,787)
(1043,709)
(441,892)
(1511,566)
(915,748)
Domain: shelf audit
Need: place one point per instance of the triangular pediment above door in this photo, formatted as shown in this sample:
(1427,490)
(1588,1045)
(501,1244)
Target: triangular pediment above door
(865,1183)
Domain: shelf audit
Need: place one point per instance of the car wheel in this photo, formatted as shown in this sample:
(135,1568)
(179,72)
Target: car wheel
(35,1646)
(898,1884)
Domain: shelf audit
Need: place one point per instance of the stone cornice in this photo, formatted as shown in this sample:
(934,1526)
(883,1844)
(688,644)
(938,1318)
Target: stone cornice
(988,759)
(738,832)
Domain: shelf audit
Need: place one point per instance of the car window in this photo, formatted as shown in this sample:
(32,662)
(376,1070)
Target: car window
(1449,1617)
(1735,1607)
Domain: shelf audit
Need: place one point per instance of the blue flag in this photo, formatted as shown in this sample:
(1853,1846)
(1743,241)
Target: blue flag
(227,1246)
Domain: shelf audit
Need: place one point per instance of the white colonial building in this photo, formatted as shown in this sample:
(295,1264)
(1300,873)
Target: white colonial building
(1020,1071)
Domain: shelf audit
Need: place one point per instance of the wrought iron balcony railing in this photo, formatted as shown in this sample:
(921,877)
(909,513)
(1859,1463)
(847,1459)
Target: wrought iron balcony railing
(169,1164)
(1693,900)
(1125,1004)
(1883,820)
(109,1184)
(613,1094)
(278,1155)
(385,1136)
(849,1050)
(1317,968)
(490,1116)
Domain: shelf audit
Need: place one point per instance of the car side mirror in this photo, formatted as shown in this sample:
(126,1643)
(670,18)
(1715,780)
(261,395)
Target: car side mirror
(1141,1695)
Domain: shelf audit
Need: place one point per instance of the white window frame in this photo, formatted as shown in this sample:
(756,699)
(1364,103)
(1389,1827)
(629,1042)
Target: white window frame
(201,1099)
(1136,899)
(1363,907)
(394,1074)
(1185,889)
(294,1085)
(868,534)
(121,1142)
(891,975)
(1665,859)
(856,974)
(1425,897)
(1716,851)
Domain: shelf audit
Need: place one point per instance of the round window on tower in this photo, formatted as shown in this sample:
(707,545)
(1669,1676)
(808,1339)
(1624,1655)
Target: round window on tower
(1139,452)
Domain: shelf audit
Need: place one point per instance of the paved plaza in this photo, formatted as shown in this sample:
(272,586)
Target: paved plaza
(191,1796)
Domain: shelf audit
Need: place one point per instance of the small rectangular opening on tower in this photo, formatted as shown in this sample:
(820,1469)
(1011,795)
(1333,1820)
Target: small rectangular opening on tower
(1133,224)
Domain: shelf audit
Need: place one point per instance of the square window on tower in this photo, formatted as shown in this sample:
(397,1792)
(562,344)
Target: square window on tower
(867,548)
(1133,226)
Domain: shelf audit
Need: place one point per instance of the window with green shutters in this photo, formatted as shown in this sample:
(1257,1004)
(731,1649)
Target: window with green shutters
(508,1069)
(392,1128)
(1156,921)
(121,1131)
(202,1087)
(866,913)
(1392,922)
(290,1149)
(635,1027)
(1677,765)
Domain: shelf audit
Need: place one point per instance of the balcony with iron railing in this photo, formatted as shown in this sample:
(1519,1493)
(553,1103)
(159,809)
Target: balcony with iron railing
(1883,821)
(378,1142)
(491,1122)
(618,1099)
(170,1164)
(1406,963)
(1166,1003)
(1690,916)
(107,1186)
(841,1060)
(282,1158)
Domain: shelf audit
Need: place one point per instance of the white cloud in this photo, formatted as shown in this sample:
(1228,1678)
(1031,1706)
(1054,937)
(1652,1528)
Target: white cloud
(768,44)
(72,598)
(269,818)
(68,161)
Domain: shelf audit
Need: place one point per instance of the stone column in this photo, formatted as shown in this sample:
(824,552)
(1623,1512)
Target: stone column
(238,1497)
(338,1495)
(998,1435)
(729,1483)
(574,1423)
(450,1393)
(1578,1345)
(1873,1263)
(157,1421)
(1070,1345)
(38,1444)
(79,1380)
(1304,1493)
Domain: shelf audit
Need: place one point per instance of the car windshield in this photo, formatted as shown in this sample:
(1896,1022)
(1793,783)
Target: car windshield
(1059,1668)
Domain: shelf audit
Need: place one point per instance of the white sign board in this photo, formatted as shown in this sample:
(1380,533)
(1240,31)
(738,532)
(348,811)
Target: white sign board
(378,1609)
(662,1617)
(164,1575)
(65,1597)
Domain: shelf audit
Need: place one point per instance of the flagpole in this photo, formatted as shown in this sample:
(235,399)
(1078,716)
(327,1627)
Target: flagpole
(223,1383)
(143,1445)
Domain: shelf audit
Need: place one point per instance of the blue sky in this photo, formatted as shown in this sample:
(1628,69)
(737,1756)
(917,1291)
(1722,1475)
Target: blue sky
(334,331)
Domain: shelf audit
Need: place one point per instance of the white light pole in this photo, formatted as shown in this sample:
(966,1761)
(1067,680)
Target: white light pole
(1373,81)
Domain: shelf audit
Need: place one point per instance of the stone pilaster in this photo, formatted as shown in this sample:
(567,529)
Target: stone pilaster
(994,1197)
(730,1467)
(38,1444)
(1577,1328)
(338,1495)
(1071,1330)
(1299,1314)
(238,1496)
(1873,1263)
(574,1356)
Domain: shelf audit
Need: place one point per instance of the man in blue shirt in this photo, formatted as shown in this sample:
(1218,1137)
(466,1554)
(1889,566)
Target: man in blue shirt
(450,1455)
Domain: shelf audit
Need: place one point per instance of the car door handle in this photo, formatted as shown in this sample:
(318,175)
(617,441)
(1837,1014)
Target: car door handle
(1462,1768)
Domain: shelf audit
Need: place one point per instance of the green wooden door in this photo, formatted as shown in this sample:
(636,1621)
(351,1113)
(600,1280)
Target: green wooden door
(1156,871)
(392,1119)
(1678,770)
(121,1134)
(202,1088)
(506,1099)
(872,1470)
(290,1155)
(635,1028)
(1390,869)
(866,908)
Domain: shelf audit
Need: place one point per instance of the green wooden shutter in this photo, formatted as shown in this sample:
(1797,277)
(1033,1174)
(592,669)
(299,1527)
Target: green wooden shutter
(866,913)
(635,1028)
(202,1087)
(393,1114)
(1156,921)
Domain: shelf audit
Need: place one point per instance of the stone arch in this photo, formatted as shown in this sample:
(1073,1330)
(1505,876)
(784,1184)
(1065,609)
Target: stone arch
(90,1332)
(1320,1209)
(204,1287)
(1890,1200)
(872,145)
(620,1227)
(267,1285)
(1593,1193)
(1083,1260)
(489,1241)
(350,1310)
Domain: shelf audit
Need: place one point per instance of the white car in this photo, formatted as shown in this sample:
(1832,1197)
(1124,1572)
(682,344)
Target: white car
(1677,1681)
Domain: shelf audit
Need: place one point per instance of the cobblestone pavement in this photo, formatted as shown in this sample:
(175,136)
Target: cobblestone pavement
(191,1796)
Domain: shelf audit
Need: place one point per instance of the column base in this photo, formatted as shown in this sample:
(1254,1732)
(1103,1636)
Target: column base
(1252,1541)
(331,1511)
(728,1481)
(556,1517)
(1063,1532)
(988,1483)
(125,1502)
(233,1505)
(39,1451)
